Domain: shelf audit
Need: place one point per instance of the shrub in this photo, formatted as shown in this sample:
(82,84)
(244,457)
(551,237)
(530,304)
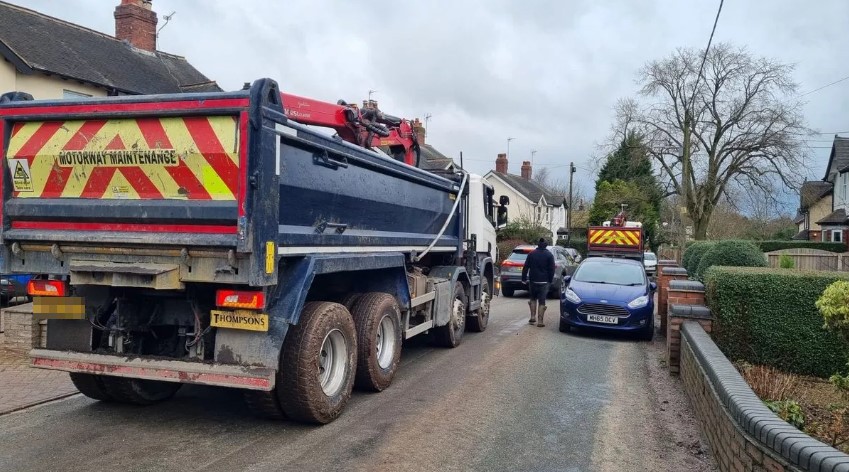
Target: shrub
(731,253)
(786,262)
(769,317)
(525,231)
(789,411)
(769,246)
(693,254)
(768,383)
(833,305)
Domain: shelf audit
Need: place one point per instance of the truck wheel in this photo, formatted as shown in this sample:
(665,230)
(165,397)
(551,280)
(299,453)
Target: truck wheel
(317,368)
(378,321)
(139,391)
(451,334)
(91,386)
(349,299)
(480,320)
(507,292)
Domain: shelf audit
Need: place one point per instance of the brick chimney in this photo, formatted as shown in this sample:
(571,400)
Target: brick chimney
(526,170)
(419,129)
(135,22)
(501,164)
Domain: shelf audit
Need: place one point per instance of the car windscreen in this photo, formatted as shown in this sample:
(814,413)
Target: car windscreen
(649,256)
(614,273)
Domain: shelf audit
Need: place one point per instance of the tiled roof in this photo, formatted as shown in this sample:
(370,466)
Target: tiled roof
(801,236)
(32,41)
(838,160)
(530,189)
(812,191)
(837,217)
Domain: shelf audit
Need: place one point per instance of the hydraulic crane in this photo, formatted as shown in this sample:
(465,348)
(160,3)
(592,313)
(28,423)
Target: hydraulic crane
(367,127)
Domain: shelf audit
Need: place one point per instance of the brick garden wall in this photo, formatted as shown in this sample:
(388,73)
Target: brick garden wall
(742,432)
(21,332)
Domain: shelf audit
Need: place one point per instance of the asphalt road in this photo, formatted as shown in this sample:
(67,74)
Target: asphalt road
(515,397)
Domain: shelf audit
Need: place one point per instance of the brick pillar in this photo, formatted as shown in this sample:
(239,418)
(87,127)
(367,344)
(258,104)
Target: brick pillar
(685,292)
(678,314)
(666,274)
(21,331)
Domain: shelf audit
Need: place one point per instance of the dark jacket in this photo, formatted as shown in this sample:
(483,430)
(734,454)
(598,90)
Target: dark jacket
(540,265)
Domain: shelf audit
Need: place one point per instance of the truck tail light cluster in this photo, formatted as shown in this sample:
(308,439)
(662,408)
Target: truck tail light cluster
(46,288)
(237,299)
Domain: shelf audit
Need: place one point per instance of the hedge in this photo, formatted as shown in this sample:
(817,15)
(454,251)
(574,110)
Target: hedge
(769,246)
(767,316)
(693,254)
(730,253)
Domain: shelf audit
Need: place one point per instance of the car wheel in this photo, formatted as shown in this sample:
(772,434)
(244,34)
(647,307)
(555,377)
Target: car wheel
(564,327)
(507,292)
(648,333)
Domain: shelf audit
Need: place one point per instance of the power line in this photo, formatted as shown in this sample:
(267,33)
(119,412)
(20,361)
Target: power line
(707,49)
(825,86)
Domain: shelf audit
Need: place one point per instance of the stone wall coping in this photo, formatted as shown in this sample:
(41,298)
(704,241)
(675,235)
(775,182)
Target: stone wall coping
(674,271)
(686,286)
(667,262)
(691,311)
(768,430)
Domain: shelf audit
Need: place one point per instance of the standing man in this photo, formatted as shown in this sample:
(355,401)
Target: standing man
(539,268)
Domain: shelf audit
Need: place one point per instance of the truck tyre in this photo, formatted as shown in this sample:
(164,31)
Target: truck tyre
(378,321)
(349,299)
(91,386)
(316,373)
(139,391)
(479,320)
(451,334)
(507,292)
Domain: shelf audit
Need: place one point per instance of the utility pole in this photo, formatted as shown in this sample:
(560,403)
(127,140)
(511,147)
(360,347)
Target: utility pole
(569,210)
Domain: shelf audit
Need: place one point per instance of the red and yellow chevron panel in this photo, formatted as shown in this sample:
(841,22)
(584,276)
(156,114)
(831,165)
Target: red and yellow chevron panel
(188,158)
(616,237)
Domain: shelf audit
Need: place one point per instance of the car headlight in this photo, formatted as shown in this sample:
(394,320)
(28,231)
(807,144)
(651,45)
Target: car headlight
(639,302)
(571,296)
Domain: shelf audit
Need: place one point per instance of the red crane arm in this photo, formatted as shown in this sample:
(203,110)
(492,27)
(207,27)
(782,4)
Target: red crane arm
(368,127)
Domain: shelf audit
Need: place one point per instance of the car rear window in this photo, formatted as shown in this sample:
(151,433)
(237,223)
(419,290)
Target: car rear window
(518,257)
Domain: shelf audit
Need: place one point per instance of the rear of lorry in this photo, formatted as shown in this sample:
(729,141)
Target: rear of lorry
(182,238)
(615,241)
(137,211)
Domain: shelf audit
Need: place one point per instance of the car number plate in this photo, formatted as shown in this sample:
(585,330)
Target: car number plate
(603,319)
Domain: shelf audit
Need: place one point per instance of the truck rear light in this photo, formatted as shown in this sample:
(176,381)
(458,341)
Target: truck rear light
(237,299)
(46,288)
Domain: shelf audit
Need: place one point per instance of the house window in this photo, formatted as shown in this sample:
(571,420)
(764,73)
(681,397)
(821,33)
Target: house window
(66,94)
(837,235)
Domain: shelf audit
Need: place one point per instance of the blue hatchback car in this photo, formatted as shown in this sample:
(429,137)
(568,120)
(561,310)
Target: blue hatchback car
(609,293)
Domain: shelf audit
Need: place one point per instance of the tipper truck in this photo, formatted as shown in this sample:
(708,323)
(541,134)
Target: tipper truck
(216,239)
(616,238)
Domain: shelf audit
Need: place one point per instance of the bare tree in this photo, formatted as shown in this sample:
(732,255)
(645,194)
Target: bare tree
(738,125)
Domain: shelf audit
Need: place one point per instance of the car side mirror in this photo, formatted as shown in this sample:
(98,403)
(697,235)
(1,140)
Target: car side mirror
(652,286)
(567,279)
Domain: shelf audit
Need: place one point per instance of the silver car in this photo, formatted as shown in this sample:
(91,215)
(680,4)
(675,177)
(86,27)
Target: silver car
(650,263)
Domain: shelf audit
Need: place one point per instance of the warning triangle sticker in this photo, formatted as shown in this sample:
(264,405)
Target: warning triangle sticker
(21,178)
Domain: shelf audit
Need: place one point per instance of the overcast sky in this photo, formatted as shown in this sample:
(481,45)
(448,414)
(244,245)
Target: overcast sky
(546,72)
